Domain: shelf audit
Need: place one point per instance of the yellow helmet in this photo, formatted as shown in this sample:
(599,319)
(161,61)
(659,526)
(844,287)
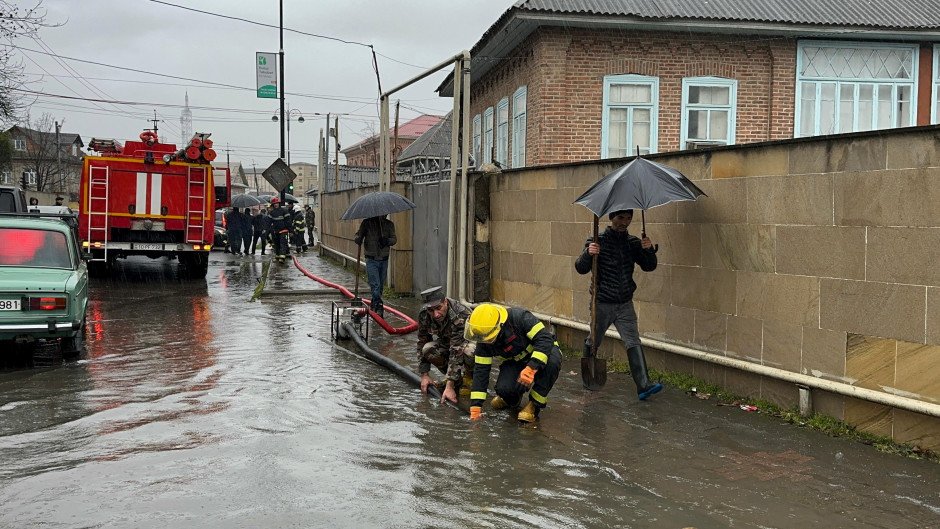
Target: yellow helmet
(485,322)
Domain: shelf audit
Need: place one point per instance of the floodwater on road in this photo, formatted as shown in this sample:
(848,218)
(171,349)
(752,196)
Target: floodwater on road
(196,407)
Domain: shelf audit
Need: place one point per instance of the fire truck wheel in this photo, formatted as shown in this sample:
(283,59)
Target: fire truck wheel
(98,269)
(196,265)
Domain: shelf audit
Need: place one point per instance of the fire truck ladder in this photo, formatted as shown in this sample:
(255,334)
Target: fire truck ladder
(98,219)
(196,205)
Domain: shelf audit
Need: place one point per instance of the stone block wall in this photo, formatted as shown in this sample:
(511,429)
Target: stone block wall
(339,234)
(818,256)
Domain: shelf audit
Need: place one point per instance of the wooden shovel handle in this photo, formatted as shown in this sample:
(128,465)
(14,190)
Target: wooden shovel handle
(594,295)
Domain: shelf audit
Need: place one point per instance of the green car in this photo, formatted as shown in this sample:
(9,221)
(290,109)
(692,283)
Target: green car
(43,282)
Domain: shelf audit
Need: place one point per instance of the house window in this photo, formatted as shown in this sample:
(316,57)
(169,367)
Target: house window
(518,127)
(844,87)
(74,149)
(708,111)
(19,145)
(477,124)
(935,99)
(631,107)
(488,135)
(30,177)
(6,177)
(502,131)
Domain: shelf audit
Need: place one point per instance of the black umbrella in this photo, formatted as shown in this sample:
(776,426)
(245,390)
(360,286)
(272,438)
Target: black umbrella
(266,198)
(641,184)
(377,204)
(245,201)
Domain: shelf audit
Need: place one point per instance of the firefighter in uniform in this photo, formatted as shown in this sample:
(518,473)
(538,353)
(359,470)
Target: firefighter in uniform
(530,353)
(280,227)
(450,353)
(299,224)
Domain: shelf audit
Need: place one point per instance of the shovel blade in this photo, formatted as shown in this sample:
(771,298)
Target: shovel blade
(593,372)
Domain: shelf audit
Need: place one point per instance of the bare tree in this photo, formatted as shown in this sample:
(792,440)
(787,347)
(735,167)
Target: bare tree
(16,23)
(40,157)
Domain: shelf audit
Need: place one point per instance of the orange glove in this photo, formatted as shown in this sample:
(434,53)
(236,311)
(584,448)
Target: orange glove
(476,413)
(527,376)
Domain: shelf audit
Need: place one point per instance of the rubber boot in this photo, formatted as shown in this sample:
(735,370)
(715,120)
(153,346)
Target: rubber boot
(530,413)
(639,373)
(497,403)
(465,386)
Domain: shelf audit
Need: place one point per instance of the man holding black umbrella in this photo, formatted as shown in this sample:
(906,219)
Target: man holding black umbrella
(377,236)
(618,253)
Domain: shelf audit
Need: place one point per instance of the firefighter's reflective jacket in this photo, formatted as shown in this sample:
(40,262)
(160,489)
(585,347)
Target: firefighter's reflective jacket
(280,220)
(300,224)
(522,338)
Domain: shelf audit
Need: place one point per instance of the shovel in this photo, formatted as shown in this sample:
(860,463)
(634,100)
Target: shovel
(593,369)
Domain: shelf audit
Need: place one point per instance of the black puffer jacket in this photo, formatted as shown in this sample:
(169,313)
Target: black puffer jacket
(619,253)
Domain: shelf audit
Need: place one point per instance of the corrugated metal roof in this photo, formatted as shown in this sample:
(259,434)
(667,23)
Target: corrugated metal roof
(435,143)
(895,14)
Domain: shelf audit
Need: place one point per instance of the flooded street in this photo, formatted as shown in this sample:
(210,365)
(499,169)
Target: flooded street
(196,407)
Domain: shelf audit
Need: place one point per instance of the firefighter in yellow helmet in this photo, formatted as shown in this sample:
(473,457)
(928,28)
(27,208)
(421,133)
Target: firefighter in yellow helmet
(531,359)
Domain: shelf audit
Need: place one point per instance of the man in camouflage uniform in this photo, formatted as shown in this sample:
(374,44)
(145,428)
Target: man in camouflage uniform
(450,353)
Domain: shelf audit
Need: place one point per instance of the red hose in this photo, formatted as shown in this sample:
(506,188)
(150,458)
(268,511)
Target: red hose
(411,327)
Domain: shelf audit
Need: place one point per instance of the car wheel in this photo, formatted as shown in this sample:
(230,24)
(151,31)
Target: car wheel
(98,269)
(73,346)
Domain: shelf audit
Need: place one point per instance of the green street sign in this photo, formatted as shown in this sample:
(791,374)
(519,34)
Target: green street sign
(266,73)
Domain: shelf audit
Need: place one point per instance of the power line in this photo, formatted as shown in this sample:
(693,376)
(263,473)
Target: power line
(256,23)
(350,99)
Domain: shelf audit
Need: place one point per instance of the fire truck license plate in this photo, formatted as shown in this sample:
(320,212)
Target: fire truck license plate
(147,246)
(9,304)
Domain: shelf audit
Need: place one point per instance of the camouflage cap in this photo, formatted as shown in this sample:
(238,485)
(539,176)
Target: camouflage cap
(432,297)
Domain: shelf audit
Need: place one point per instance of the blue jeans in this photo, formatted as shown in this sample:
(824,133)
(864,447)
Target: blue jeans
(376,270)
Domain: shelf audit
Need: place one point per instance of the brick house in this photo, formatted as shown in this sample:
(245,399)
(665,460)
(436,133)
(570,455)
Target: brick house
(557,81)
(38,164)
(366,152)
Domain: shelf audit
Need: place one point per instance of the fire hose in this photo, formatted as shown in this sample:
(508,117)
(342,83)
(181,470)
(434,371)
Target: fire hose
(411,327)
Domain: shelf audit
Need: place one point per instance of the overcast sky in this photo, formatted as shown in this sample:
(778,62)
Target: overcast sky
(326,75)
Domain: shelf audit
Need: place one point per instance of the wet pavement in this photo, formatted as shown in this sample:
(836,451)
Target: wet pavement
(196,407)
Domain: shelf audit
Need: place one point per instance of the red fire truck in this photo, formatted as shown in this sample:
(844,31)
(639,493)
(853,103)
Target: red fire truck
(148,198)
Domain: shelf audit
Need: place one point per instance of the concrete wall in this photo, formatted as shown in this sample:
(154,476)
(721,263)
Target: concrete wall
(817,256)
(339,234)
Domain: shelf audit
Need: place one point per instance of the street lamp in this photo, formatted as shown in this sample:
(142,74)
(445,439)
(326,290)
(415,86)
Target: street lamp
(289,113)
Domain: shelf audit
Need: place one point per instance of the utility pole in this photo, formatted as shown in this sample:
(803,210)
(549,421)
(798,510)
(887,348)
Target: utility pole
(254,171)
(336,131)
(58,156)
(281,53)
(395,151)
(326,151)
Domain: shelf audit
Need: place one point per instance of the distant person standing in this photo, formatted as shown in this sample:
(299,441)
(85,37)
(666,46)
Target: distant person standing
(280,229)
(260,224)
(233,226)
(310,217)
(33,201)
(59,201)
(297,232)
(377,236)
(246,229)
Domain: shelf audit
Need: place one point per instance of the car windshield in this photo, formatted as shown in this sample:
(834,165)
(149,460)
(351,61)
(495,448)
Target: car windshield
(34,248)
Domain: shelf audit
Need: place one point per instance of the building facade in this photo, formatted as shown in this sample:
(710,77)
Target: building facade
(555,84)
(44,162)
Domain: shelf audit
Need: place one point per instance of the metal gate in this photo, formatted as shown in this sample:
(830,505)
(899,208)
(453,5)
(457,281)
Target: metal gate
(429,266)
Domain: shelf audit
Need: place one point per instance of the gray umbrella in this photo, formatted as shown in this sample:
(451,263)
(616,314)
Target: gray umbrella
(377,204)
(245,201)
(641,184)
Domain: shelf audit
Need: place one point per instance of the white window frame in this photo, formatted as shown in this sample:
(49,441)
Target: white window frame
(731,108)
(519,126)
(653,107)
(19,145)
(488,135)
(935,87)
(74,149)
(893,83)
(502,131)
(30,177)
(6,177)
(477,136)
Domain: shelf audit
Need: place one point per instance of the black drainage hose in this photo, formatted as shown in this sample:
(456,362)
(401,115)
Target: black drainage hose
(347,330)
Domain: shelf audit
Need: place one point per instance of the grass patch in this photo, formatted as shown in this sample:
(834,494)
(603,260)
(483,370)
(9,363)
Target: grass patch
(819,422)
